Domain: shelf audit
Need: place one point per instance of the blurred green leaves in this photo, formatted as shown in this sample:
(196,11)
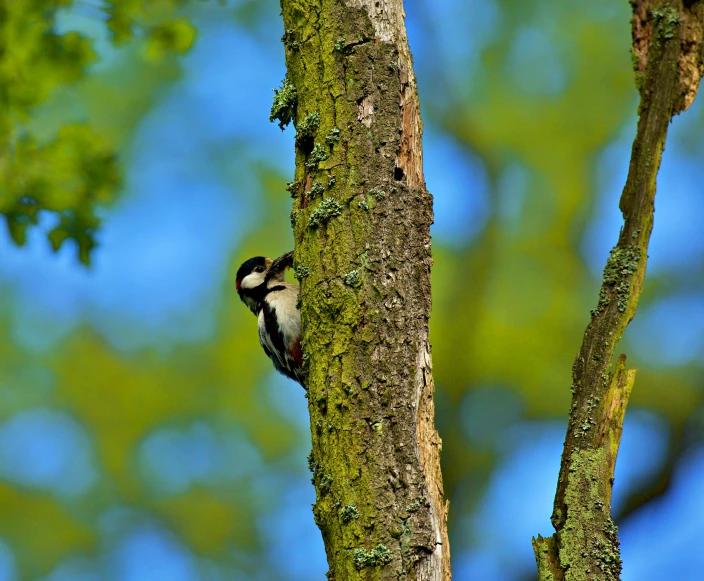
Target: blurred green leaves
(72,170)
(509,309)
(175,36)
(68,176)
(121,400)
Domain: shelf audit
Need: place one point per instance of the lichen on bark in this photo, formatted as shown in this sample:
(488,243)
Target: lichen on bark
(365,296)
(668,62)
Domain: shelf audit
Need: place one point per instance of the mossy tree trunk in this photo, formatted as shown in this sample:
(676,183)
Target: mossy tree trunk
(668,60)
(361,222)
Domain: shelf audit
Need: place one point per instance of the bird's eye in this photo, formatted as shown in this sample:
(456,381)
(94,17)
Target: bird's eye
(259,269)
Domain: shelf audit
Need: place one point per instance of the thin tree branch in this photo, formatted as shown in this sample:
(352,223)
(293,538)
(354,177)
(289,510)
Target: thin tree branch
(667,48)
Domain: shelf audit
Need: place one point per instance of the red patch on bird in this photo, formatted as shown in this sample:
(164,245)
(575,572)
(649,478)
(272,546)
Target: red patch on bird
(297,352)
(237,284)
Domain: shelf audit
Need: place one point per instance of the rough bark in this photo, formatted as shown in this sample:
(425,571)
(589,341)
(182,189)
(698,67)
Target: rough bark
(668,60)
(361,223)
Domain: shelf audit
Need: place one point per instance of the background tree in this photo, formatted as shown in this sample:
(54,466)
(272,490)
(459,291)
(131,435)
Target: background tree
(141,427)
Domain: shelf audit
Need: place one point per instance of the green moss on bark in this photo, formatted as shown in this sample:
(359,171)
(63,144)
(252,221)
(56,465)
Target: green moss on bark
(584,541)
(283,108)
(328,209)
(348,513)
(365,296)
(585,545)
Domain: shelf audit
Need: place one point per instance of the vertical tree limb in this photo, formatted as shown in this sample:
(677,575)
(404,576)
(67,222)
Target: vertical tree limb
(668,59)
(361,223)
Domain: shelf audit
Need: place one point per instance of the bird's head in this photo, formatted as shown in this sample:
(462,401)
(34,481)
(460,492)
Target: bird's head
(251,280)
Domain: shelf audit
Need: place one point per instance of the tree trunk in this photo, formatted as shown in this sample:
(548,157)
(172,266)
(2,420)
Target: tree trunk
(361,222)
(668,58)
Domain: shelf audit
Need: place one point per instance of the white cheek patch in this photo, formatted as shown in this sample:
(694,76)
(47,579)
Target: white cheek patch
(253,280)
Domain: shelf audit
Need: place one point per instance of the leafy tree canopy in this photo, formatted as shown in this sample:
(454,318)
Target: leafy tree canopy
(73,169)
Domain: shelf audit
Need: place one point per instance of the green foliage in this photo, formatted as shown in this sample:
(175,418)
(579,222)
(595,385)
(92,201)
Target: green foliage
(667,19)
(307,128)
(326,482)
(315,190)
(379,555)
(284,107)
(333,137)
(292,188)
(622,263)
(176,36)
(349,512)
(417,503)
(83,175)
(352,278)
(316,156)
(163,30)
(290,40)
(324,212)
(377,193)
(70,170)
(120,400)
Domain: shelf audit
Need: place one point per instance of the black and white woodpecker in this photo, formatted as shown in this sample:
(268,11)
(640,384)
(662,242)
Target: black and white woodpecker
(261,285)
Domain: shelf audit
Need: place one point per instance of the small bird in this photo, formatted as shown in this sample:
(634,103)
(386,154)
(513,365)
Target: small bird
(261,285)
